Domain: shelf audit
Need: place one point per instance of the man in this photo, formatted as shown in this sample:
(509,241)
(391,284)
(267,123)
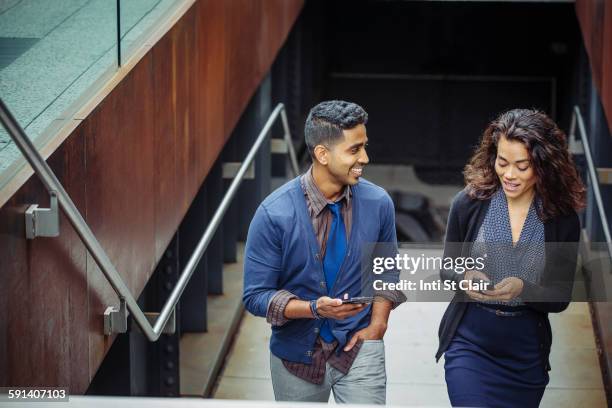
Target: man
(303,254)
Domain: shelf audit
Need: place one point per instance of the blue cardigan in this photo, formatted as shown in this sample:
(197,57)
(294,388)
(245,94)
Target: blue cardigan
(282,252)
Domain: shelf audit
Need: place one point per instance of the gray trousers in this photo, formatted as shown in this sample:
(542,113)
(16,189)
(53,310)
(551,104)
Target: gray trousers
(365,383)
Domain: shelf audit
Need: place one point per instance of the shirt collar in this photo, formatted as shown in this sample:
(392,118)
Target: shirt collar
(317,200)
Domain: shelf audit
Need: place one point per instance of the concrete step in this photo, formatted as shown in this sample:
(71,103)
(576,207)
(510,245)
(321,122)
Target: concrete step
(202,354)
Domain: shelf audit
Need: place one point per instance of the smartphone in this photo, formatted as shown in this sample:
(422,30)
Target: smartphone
(358,300)
(487,285)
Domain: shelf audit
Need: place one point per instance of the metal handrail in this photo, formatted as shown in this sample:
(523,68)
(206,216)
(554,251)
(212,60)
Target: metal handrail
(52,184)
(577,119)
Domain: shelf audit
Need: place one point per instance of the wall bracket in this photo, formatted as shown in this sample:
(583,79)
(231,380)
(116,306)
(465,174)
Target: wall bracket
(42,222)
(170,327)
(115,319)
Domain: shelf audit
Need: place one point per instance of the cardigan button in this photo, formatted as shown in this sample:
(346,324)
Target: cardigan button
(309,353)
(322,284)
(316,329)
(318,257)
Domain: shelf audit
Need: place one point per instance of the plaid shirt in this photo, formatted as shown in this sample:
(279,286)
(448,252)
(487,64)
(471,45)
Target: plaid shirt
(323,352)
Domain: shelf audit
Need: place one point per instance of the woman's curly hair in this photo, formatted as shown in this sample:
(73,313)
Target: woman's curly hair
(558,185)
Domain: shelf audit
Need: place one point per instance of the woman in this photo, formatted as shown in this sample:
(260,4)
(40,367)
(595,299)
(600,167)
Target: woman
(522,191)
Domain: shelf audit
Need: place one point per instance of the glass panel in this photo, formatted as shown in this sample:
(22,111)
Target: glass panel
(51,53)
(138,19)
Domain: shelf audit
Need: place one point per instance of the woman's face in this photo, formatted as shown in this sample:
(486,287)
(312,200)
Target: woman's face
(514,168)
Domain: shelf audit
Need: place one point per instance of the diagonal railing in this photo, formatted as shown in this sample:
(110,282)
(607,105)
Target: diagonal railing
(127,300)
(577,121)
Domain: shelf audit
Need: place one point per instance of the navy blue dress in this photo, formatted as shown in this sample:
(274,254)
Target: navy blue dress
(495,358)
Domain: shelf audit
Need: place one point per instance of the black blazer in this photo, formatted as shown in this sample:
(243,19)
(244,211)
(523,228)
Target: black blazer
(555,289)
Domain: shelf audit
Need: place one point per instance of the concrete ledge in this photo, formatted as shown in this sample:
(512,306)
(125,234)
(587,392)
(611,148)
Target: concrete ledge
(601,314)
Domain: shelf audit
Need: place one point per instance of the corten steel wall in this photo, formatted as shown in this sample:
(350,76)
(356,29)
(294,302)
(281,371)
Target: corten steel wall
(132,168)
(595,17)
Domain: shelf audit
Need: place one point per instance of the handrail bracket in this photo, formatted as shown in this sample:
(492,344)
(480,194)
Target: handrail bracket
(115,319)
(229,170)
(170,327)
(43,222)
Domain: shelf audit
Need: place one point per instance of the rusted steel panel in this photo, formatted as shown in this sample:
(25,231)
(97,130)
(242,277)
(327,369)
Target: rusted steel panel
(590,16)
(133,167)
(595,18)
(167,184)
(277,19)
(44,324)
(188,159)
(210,84)
(241,80)
(176,160)
(606,80)
(120,194)
(266,24)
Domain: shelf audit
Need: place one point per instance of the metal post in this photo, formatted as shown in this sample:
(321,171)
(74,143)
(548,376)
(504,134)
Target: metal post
(287,137)
(214,254)
(193,301)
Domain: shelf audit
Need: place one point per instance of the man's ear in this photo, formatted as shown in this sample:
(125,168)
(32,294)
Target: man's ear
(321,154)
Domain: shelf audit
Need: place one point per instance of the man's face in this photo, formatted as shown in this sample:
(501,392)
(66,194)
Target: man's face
(347,158)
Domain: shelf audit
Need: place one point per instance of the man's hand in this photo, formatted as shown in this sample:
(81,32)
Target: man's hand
(375,331)
(334,309)
(378,324)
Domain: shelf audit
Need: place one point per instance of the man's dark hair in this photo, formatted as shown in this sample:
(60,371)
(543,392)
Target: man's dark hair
(326,121)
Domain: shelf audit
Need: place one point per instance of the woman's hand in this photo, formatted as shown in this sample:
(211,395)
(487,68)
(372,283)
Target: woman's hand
(507,289)
(471,275)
